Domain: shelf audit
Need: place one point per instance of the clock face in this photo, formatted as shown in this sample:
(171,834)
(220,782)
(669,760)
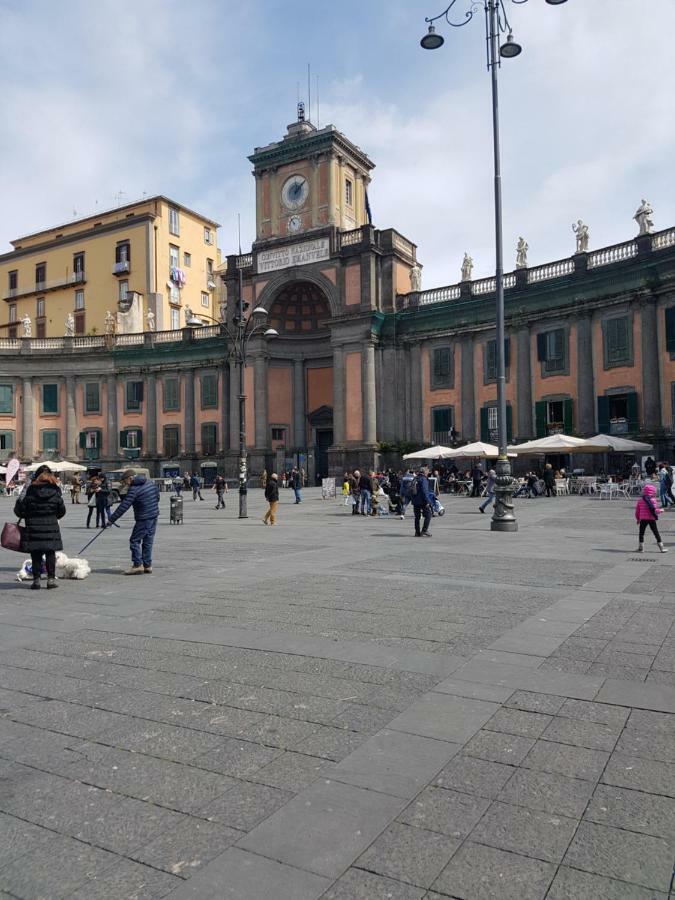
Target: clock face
(295,191)
(294,223)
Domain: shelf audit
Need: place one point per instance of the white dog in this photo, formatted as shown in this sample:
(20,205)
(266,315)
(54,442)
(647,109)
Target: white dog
(65,568)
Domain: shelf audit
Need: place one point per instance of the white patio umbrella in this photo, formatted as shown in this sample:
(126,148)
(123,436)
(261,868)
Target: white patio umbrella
(437,452)
(477,450)
(62,465)
(557,443)
(614,444)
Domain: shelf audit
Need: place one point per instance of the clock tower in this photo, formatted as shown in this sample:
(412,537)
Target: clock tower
(312,178)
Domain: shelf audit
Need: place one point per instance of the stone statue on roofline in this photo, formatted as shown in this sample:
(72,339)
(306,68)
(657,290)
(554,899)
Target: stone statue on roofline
(581,232)
(27,326)
(109,323)
(416,278)
(151,320)
(643,216)
(521,253)
(467,267)
(70,325)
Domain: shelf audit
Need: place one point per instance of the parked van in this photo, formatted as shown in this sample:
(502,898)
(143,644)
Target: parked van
(117,489)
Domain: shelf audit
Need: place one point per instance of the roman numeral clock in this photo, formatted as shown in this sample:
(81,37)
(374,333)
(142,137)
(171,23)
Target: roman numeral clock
(294,195)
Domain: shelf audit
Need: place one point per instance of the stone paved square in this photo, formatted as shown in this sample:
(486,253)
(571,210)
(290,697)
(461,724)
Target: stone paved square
(270,716)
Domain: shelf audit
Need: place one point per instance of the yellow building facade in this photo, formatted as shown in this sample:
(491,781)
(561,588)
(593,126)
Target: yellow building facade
(143,266)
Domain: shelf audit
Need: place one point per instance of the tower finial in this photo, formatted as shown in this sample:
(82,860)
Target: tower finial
(301,111)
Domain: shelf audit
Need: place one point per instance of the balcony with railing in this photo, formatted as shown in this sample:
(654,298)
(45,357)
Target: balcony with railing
(123,267)
(43,287)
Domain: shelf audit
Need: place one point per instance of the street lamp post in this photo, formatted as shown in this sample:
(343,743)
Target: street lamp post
(496,23)
(244,329)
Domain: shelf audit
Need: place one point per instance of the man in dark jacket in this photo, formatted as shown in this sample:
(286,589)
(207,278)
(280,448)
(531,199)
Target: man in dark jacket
(422,501)
(272,497)
(143,495)
(366,493)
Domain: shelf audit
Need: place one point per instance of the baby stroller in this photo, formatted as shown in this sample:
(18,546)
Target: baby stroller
(437,508)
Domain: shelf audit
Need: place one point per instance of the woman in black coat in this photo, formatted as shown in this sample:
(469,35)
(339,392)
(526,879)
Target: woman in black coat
(41,507)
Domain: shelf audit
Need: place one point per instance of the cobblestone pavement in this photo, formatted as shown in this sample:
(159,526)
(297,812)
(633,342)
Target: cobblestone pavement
(331,708)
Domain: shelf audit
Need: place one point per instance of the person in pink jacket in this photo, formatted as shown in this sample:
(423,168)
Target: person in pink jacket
(647,513)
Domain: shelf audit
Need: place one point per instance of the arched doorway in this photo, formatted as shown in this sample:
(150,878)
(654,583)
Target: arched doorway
(300,309)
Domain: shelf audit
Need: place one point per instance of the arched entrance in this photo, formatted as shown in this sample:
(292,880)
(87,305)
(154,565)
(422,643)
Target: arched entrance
(300,309)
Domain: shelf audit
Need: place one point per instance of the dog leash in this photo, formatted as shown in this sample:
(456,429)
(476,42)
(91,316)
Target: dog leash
(96,536)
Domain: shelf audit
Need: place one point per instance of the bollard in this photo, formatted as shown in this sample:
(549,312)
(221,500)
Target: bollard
(175,509)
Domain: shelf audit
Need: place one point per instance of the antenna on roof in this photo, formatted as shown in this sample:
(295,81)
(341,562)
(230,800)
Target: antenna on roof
(318,120)
(239,230)
(309,91)
(74,213)
(118,197)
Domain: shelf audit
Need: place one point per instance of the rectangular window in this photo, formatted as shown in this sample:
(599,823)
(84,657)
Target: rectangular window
(41,328)
(171,440)
(555,414)
(441,424)
(174,256)
(123,252)
(134,395)
(40,275)
(209,384)
(209,439)
(175,319)
(90,443)
(618,408)
(6,441)
(79,299)
(132,439)
(441,371)
(50,399)
(78,266)
(551,350)
(209,269)
(491,361)
(92,397)
(208,236)
(51,440)
(174,221)
(79,323)
(171,395)
(40,307)
(12,312)
(123,289)
(349,192)
(187,260)
(205,299)
(278,434)
(492,418)
(617,341)
(13,282)
(6,399)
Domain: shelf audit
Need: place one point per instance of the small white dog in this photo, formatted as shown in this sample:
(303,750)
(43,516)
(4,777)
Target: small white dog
(65,568)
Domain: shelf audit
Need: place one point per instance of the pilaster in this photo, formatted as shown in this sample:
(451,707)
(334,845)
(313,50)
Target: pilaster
(524,382)
(111,417)
(71,419)
(260,403)
(299,405)
(368,394)
(651,380)
(151,414)
(27,419)
(189,420)
(468,400)
(585,379)
(339,409)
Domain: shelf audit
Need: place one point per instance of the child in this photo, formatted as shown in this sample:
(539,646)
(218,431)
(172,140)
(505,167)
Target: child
(346,492)
(647,513)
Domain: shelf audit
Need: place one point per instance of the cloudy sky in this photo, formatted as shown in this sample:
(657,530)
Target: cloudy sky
(164,96)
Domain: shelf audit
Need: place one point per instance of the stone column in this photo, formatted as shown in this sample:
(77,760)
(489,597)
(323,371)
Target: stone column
(234,406)
(112,443)
(28,419)
(71,419)
(299,405)
(390,400)
(332,171)
(651,380)
(585,382)
(189,419)
(274,207)
(340,191)
(225,408)
(368,394)
(468,427)
(260,400)
(524,384)
(339,409)
(416,393)
(151,414)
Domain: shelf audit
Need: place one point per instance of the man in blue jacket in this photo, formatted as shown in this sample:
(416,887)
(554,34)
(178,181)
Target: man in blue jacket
(143,495)
(422,501)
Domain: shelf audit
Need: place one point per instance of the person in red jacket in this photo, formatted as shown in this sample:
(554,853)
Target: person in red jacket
(647,513)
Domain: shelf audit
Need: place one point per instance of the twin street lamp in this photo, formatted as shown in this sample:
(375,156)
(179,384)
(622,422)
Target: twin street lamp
(496,24)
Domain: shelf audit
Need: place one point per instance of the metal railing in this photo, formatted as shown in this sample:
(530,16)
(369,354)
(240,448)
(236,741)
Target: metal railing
(39,286)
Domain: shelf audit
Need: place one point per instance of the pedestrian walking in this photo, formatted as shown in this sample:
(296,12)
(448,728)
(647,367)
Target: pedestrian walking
(405,491)
(422,501)
(366,493)
(143,496)
(272,497)
(647,514)
(41,507)
(75,489)
(296,484)
(263,479)
(490,490)
(549,480)
(178,484)
(354,491)
(220,487)
(477,481)
(195,484)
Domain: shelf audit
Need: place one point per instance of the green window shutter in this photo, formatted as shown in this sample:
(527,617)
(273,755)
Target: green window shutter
(541,346)
(603,415)
(632,407)
(670,329)
(83,440)
(509,423)
(540,418)
(484,433)
(567,416)
(139,437)
(507,352)
(123,439)
(441,419)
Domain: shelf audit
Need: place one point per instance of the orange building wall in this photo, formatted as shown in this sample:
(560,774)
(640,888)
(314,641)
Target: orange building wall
(49,423)
(329,274)
(487,393)
(667,367)
(319,388)
(402,278)
(260,287)
(553,384)
(91,421)
(353,285)
(444,397)
(207,415)
(169,418)
(279,396)
(618,376)
(323,184)
(354,402)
